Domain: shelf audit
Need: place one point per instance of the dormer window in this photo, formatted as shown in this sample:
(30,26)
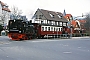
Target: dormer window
(41,22)
(51,15)
(59,16)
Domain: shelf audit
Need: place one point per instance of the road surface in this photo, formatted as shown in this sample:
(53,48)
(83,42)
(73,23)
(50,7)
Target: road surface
(45,49)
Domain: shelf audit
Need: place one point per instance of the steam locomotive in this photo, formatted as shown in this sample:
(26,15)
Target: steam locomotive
(25,30)
(20,30)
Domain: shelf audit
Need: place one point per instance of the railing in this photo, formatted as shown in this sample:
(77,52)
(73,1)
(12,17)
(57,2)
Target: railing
(79,34)
(57,36)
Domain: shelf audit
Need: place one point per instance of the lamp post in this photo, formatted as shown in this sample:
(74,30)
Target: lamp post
(57,32)
(71,26)
(71,30)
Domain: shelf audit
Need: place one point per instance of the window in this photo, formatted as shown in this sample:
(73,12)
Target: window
(45,28)
(54,28)
(59,16)
(40,16)
(55,23)
(48,22)
(41,22)
(4,6)
(44,21)
(59,29)
(51,15)
(60,23)
(52,23)
(42,28)
(48,28)
(51,28)
(64,24)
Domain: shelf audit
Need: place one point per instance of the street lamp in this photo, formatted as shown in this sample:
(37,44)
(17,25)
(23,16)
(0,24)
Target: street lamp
(57,32)
(71,26)
(71,30)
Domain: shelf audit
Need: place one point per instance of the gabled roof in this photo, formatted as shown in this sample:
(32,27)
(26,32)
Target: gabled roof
(55,17)
(68,15)
(76,23)
(3,4)
(6,8)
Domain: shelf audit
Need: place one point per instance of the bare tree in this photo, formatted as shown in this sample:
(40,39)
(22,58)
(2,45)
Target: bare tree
(3,16)
(15,11)
(87,24)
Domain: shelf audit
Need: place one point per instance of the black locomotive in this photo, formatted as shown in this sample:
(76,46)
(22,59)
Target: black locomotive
(19,30)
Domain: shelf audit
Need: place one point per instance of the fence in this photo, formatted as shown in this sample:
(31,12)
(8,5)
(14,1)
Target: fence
(57,36)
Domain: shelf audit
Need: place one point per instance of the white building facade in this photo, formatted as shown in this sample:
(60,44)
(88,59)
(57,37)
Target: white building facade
(4,14)
(50,20)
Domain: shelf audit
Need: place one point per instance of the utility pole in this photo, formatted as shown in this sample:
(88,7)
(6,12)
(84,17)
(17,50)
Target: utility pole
(71,26)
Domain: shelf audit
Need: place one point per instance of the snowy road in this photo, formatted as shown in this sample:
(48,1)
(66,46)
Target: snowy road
(45,49)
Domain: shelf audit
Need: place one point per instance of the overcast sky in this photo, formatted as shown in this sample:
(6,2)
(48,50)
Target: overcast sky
(28,7)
